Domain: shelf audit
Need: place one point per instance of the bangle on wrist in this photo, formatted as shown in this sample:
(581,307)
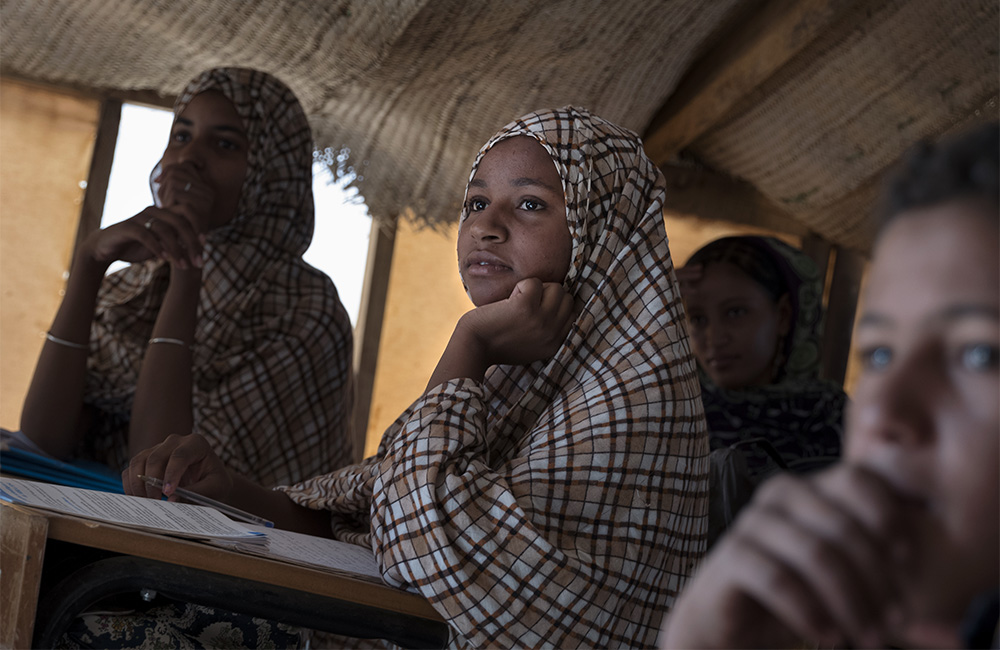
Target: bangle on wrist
(164,339)
(65,343)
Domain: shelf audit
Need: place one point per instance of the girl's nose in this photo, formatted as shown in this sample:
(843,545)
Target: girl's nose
(897,406)
(717,334)
(488,225)
(193,153)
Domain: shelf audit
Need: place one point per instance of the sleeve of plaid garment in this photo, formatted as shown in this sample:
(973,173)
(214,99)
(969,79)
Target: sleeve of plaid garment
(566,542)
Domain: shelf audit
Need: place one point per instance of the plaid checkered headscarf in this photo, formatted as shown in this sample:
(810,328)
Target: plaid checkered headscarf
(560,503)
(272,349)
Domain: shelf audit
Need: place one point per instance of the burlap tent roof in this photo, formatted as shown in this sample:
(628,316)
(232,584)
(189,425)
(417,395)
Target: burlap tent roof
(784,112)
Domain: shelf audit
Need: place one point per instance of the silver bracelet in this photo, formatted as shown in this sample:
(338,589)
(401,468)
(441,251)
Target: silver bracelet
(162,339)
(68,344)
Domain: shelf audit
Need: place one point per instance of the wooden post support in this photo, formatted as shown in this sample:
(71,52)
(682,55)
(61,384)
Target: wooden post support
(22,549)
(100,169)
(818,250)
(368,331)
(841,307)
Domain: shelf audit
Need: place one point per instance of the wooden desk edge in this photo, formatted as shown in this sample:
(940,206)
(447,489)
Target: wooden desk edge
(22,552)
(205,557)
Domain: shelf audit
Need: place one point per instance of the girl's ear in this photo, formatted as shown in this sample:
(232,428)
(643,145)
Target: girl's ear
(784,315)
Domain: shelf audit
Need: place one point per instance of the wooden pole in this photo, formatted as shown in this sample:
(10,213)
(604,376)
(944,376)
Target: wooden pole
(100,169)
(368,331)
(841,308)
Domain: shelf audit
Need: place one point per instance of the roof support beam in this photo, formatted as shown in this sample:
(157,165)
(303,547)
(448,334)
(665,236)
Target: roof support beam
(734,68)
(711,195)
(146,97)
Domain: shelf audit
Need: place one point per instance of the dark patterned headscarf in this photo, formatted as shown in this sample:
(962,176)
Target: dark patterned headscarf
(272,347)
(561,503)
(799,415)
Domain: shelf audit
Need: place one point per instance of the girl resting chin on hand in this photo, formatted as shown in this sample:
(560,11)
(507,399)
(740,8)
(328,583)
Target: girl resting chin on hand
(549,487)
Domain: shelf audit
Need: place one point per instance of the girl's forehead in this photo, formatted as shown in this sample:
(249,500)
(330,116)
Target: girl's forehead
(519,146)
(505,142)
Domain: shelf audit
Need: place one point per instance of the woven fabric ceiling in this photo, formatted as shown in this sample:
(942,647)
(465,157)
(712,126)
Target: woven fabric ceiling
(412,88)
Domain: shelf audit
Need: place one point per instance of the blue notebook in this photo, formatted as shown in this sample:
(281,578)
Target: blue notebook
(81,473)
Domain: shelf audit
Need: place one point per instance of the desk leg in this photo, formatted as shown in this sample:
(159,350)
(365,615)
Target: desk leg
(22,549)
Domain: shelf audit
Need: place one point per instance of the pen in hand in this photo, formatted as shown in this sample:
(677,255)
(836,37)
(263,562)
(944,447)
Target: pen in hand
(224,508)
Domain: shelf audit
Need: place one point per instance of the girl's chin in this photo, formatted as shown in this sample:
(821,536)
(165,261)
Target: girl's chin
(482,296)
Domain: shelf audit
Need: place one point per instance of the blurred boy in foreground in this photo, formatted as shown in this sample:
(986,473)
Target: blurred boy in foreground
(900,543)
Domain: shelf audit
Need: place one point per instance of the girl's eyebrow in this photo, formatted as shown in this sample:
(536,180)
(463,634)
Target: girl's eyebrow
(949,314)
(525,181)
(220,127)
(970,310)
(874,319)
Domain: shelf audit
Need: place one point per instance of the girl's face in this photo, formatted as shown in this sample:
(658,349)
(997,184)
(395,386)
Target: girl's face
(516,223)
(208,137)
(926,412)
(736,326)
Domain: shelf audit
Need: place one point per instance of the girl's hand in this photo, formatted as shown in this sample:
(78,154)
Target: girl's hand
(182,184)
(154,232)
(179,461)
(529,325)
(814,560)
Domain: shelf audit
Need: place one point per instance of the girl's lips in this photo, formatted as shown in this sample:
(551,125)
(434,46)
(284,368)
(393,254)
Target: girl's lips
(486,269)
(721,362)
(483,263)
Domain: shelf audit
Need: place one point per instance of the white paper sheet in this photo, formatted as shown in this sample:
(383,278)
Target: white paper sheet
(182,519)
(314,552)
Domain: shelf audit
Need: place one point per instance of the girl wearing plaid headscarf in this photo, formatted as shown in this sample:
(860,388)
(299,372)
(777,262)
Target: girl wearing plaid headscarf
(549,488)
(218,327)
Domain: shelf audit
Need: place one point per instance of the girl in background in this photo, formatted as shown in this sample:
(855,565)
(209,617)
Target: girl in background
(754,307)
(218,327)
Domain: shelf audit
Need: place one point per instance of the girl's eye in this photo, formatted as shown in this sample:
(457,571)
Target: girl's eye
(180,136)
(532,205)
(736,312)
(476,205)
(698,321)
(980,357)
(876,358)
(229,145)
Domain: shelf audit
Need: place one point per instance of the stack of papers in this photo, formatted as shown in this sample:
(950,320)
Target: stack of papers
(199,523)
(313,552)
(180,519)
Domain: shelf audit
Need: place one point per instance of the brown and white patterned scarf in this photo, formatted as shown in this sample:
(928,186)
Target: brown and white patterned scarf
(272,349)
(562,503)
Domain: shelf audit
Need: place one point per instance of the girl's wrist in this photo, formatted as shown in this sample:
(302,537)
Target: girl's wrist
(473,349)
(186,279)
(86,265)
(87,252)
(464,357)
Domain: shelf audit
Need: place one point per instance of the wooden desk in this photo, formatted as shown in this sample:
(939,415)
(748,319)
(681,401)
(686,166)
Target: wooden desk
(338,603)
